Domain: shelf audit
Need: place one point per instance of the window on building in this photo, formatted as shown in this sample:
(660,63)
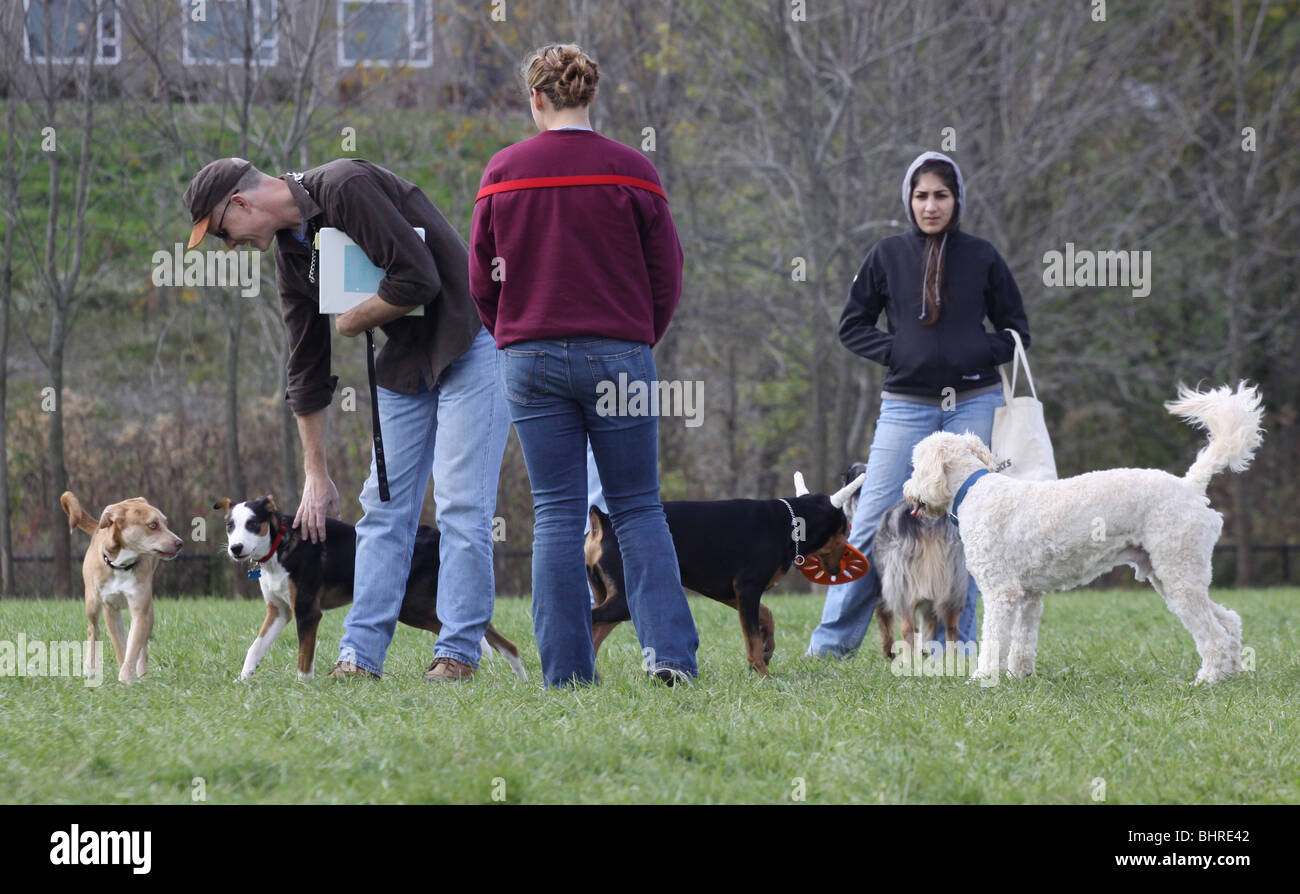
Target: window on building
(65,31)
(385,32)
(229,30)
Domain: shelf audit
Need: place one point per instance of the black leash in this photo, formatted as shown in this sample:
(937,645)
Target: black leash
(380,468)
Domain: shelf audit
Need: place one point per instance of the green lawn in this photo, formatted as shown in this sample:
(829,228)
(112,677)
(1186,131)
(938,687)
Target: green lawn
(1111,702)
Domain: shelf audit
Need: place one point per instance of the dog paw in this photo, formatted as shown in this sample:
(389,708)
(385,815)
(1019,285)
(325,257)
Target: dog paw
(1209,676)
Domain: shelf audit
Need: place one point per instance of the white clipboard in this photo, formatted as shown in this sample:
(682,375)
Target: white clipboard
(347,277)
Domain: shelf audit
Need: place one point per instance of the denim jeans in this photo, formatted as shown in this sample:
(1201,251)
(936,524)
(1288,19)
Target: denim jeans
(902,425)
(551,390)
(458,432)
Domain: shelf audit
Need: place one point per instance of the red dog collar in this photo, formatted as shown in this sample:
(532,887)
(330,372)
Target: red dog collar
(275,544)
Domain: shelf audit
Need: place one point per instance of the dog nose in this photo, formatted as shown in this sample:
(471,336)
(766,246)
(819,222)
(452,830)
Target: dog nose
(236,548)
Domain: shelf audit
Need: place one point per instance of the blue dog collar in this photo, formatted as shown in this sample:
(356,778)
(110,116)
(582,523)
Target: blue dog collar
(961,492)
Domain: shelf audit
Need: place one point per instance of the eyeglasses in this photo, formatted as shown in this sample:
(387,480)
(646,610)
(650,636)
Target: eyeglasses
(220,232)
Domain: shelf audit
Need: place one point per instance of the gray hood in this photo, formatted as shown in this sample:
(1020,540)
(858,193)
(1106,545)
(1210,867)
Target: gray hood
(907,187)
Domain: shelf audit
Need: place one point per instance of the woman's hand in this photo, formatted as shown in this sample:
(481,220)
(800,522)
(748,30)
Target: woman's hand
(319,498)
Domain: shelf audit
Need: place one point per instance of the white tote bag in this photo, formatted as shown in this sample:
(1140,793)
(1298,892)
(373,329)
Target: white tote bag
(1021,444)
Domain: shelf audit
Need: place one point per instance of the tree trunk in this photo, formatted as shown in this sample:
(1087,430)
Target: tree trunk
(7,582)
(58,464)
(234,469)
(6,538)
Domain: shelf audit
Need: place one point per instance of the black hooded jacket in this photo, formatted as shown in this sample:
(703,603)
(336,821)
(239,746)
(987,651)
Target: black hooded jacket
(955,351)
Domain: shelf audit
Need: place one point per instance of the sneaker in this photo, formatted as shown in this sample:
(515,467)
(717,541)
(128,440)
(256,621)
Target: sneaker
(448,670)
(346,670)
(670,676)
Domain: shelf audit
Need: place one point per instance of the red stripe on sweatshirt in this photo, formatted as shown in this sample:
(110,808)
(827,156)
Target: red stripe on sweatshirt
(573,180)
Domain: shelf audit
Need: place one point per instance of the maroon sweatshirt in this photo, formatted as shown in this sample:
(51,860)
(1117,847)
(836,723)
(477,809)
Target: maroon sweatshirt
(573,260)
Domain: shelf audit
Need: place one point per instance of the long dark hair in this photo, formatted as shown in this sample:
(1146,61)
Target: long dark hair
(934,267)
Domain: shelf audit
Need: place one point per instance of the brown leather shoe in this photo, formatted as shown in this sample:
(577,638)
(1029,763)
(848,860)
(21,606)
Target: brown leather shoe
(448,670)
(346,670)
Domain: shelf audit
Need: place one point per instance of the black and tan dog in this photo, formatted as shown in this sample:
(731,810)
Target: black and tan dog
(729,550)
(298,577)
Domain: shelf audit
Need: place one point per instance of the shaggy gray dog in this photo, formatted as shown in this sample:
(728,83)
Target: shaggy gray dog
(922,569)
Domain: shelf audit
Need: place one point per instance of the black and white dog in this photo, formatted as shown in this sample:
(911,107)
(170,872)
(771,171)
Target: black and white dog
(922,569)
(303,579)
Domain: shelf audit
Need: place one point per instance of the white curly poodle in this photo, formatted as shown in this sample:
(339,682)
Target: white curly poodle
(1026,538)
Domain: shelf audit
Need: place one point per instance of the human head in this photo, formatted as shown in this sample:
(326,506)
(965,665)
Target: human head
(943,169)
(232,194)
(559,77)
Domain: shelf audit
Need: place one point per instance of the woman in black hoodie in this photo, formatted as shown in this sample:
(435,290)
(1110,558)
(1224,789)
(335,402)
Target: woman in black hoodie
(936,285)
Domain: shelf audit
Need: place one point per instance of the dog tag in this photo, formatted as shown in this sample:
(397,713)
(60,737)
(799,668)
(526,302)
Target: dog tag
(254,573)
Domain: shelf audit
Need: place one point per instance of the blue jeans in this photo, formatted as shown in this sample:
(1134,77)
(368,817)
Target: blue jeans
(551,390)
(902,425)
(458,432)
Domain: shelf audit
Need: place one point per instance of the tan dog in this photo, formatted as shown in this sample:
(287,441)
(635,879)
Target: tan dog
(125,546)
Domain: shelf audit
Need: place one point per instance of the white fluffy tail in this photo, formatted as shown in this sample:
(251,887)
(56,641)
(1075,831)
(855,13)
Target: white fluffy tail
(1232,420)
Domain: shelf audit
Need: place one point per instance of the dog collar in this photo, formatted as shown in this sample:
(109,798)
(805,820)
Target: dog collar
(110,564)
(961,492)
(275,544)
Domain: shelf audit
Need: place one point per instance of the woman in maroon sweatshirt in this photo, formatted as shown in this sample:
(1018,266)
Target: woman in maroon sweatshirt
(576,269)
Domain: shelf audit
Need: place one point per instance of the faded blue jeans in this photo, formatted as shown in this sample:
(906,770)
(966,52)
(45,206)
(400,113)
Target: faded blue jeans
(551,390)
(902,425)
(457,432)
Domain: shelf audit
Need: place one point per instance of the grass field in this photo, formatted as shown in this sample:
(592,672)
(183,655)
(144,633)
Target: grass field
(1111,702)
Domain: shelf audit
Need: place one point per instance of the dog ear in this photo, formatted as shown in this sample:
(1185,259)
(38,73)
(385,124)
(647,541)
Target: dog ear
(112,515)
(597,528)
(269,499)
(223,504)
(929,482)
(981,451)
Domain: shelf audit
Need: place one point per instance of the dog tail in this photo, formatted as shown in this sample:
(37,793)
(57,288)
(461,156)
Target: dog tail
(1232,420)
(77,516)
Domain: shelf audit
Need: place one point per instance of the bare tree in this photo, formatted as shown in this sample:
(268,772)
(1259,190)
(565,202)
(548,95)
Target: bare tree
(1233,107)
(10,177)
(60,254)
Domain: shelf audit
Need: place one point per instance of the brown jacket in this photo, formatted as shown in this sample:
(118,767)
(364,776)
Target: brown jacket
(377,209)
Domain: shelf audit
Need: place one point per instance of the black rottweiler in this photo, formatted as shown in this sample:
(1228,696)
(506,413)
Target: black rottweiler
(728,550)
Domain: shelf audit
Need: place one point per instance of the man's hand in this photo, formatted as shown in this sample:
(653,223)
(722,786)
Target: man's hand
(372,312)
(319,498)
(347,325)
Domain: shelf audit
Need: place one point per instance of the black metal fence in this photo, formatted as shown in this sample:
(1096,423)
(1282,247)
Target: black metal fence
(214,574)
